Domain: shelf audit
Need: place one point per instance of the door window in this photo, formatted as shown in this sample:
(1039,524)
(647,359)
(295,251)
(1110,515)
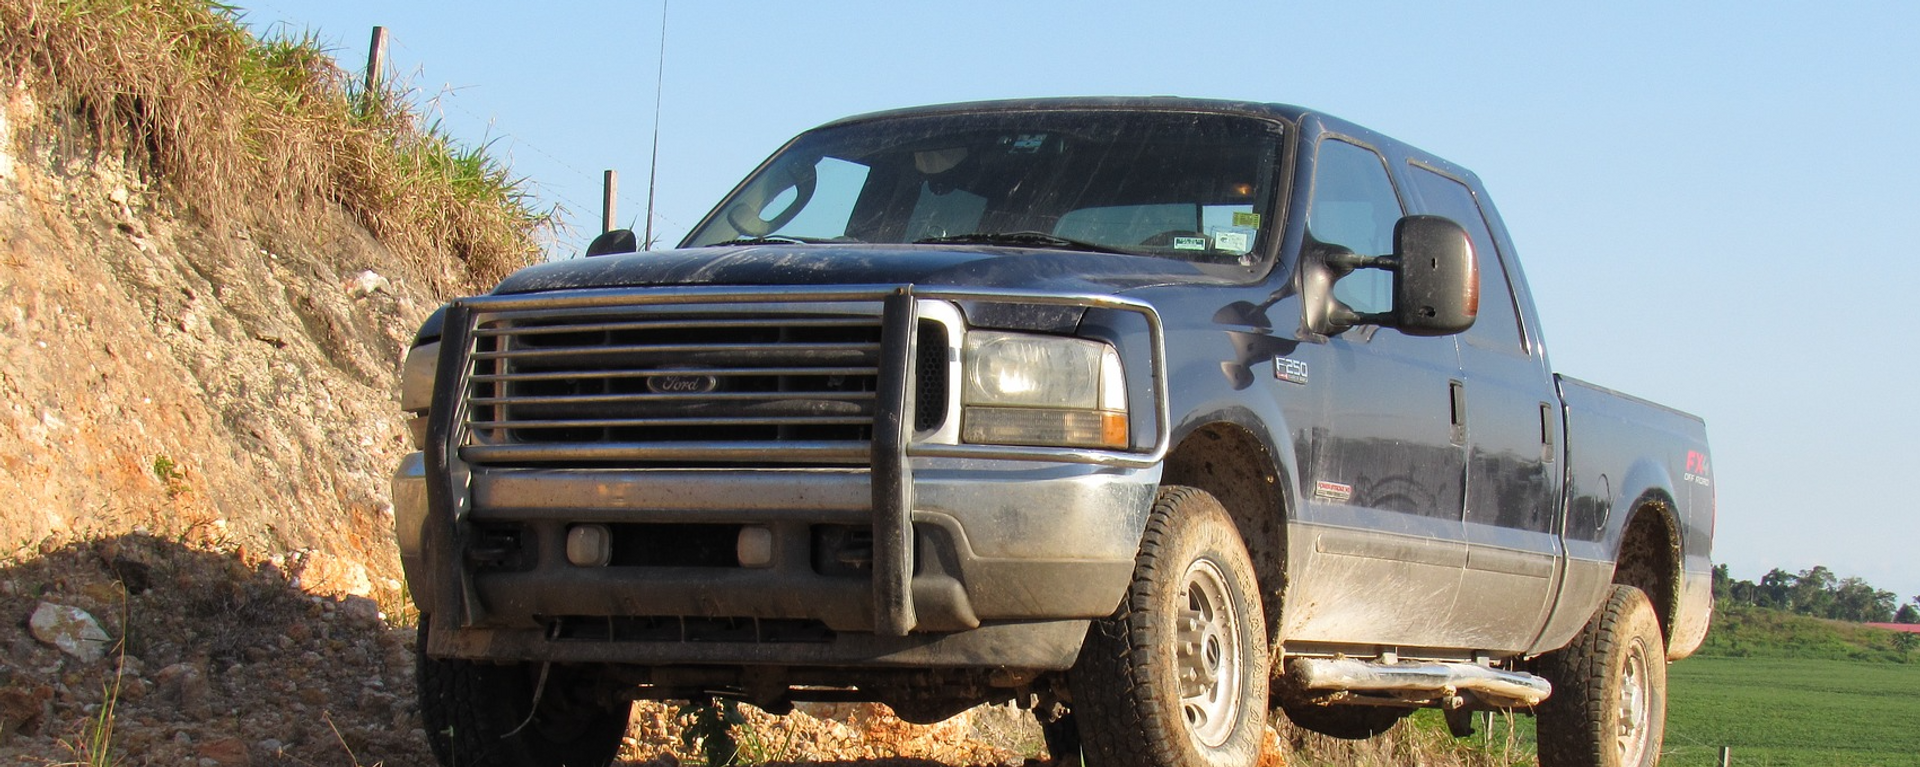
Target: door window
(1354,206)
(1498,327)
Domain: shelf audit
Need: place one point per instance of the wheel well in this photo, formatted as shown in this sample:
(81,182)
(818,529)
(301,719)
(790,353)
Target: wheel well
(1229,463)
(1650,558)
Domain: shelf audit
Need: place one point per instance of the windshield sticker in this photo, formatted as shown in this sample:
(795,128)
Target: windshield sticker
(1189,243)
(1232,242)
(1246,219)
(1028,143)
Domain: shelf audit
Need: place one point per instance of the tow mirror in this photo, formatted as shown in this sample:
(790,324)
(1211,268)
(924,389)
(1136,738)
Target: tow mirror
(1436,282)
(614,241)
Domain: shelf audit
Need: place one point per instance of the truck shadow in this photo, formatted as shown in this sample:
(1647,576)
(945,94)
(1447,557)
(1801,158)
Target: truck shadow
(198,652)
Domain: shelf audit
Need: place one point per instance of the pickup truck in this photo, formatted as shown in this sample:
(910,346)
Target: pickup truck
(1153,415)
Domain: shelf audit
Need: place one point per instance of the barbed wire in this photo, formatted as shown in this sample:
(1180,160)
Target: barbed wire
(449,96)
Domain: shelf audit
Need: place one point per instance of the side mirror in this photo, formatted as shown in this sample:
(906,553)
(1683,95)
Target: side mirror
(1436,283)
(614,241)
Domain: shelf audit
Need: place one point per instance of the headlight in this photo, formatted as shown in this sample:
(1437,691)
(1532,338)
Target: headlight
(416,388)
(1042,390)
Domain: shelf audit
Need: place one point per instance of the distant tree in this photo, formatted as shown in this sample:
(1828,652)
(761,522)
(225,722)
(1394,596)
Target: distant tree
(1813,592)
(1776,589)
(1856,600)
(1816,592)
(1904,642)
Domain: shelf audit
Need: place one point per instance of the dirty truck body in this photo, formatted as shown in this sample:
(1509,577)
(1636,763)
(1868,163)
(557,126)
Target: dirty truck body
(920,412)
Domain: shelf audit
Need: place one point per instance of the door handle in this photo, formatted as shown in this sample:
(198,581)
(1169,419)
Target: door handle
(1457,392)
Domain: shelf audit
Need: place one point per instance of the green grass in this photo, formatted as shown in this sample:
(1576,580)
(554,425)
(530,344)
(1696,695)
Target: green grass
(1786,712)
(1757,632)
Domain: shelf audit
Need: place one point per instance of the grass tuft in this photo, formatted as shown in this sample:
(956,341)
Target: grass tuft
(239,129)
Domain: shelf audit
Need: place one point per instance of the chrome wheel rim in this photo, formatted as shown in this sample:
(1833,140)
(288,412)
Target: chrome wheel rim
(1634,719)
(1207,654)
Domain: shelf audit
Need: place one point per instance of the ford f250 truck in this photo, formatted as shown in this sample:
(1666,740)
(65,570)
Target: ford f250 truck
(1153,415)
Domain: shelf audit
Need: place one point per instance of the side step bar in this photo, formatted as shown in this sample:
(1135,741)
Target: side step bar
(1447,685)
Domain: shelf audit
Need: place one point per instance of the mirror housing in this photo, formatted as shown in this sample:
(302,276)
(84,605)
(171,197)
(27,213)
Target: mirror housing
(1436,281)
(614,241)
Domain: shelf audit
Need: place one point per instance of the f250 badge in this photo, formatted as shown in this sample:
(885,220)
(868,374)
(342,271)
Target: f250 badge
(1290,370)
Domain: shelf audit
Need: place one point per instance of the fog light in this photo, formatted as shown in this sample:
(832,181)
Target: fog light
(590,545)
(754,547)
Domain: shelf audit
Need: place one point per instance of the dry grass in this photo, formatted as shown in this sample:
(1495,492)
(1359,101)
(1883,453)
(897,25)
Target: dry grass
(1418,740)
(237,128)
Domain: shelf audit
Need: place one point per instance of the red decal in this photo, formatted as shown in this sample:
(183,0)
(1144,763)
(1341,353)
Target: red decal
(1696,462)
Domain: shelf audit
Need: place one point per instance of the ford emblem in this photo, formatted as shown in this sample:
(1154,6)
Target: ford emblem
(682,384)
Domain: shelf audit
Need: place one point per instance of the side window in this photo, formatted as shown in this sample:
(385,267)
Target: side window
(825,216)
(794,200)
(1354,206)
(1498,327)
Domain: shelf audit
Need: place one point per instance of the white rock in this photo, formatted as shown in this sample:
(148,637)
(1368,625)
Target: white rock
(71,629)
(367,283)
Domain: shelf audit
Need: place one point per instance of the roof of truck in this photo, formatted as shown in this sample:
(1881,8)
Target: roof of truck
(1286,112)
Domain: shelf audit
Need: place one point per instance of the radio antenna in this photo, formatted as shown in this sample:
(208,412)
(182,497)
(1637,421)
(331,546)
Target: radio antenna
(653,165)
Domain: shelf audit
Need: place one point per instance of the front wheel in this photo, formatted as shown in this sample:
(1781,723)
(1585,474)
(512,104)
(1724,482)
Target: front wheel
(485,715)
(1179,675)
(1609,702)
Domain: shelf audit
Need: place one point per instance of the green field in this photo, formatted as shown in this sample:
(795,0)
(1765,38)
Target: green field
(1791,712)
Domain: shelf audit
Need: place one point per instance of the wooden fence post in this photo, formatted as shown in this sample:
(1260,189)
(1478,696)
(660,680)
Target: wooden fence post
(376,58)
(608,194)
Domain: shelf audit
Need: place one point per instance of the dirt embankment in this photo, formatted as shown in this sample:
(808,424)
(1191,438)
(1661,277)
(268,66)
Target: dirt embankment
(209,405)
(216,383)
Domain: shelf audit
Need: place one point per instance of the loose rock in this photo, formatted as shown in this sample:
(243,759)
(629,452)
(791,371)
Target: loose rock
(71,629)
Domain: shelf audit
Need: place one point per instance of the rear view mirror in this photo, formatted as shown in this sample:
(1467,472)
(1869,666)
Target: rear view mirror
(1436,283)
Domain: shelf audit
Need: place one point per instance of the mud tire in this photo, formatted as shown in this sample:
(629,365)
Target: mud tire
(1609,702)
(1131,703)
(467,707)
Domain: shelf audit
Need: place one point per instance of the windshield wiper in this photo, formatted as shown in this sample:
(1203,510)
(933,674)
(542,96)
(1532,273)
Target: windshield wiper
(1021,239)
(772,239)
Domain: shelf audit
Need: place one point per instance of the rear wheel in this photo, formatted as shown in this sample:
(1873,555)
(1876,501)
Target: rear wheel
(1609,702)
(1179,675)
(469,709)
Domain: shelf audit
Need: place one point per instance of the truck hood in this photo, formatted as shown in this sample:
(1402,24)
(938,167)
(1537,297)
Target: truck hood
(928,265)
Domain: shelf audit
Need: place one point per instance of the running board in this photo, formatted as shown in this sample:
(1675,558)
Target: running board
(1447,685)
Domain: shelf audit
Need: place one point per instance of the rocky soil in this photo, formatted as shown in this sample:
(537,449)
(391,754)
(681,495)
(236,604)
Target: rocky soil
(207,656)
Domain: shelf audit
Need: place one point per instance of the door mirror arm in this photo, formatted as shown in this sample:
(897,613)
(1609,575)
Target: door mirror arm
(1436,281)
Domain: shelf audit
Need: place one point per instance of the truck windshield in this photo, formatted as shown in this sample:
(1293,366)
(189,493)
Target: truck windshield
(1189,186)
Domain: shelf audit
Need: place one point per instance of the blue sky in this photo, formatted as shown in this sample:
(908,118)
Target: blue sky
(1714,201)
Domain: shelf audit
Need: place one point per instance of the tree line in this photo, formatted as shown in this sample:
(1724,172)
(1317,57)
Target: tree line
(1816,592)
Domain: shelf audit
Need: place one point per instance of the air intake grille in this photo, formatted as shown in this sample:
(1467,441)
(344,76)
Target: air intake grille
(680,385)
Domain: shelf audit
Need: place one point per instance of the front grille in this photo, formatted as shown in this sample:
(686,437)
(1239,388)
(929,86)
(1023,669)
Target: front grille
(683,385)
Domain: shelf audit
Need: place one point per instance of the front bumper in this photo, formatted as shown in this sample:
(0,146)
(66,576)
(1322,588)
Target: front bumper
(1008,561)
